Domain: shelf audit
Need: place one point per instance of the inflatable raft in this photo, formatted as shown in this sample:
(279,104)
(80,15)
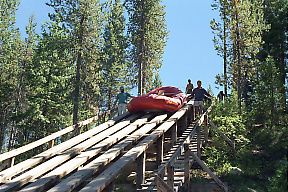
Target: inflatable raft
(161,99)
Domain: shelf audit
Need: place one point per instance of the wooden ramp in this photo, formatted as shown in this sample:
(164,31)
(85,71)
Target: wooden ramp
(92,160)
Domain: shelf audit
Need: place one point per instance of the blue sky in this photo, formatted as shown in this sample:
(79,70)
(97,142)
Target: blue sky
(189,52)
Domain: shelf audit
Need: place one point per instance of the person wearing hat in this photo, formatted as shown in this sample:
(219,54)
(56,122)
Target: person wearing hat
(189,87)
(122,100)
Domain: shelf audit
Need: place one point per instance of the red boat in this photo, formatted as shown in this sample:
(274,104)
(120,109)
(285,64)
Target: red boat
(161,99)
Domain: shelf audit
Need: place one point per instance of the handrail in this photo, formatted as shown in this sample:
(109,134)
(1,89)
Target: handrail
(178,151)
(15,152)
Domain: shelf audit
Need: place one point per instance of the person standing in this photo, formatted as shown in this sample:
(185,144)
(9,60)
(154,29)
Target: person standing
(122,100)
(189,87)
(199,94)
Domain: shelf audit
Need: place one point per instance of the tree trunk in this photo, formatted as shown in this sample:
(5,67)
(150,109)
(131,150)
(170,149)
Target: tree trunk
(140,53)
(77,83)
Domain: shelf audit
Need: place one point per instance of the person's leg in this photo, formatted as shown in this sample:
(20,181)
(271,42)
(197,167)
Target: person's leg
(119,109)
(196,107)
(122,108)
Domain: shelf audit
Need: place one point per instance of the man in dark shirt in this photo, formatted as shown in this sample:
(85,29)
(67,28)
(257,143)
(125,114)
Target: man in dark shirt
(199,94)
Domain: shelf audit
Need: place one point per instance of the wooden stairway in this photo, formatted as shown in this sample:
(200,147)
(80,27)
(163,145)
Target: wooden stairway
(178,165)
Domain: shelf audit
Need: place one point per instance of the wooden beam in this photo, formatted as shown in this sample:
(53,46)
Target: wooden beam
(162,186)
(186,167)
(198,141)
(206,131)
(140,170)
(174,134)
(229,142)
(214,177)
(170,176)
(160,150)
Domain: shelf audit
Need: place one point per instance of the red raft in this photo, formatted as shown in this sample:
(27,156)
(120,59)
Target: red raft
(161,99)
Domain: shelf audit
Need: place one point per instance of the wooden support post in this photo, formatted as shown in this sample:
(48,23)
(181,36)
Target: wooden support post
(185,121)
(186,167)
(174,134)
(193,113)
(189,115)
(206,131)
(198,141)
(170,176)
(51,144)
(11,162)
(160,150)
(140,170)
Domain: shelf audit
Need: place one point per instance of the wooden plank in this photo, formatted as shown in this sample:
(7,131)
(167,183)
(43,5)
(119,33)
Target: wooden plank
(162,186)
(160,150)
(198,141)
(140,170)
(20,167)
(186,167)
(170,176)
(174,134)
(44,140)
(77,178)
(109,174)
(206,131)
(71,165)
(16,183)
(230,143)
(214,177)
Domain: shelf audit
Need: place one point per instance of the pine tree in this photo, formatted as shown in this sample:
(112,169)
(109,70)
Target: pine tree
(19,122)
(83,19)
(10,49)
(115,62)
(275,44)
(48,80)
(245,25)
(148,34)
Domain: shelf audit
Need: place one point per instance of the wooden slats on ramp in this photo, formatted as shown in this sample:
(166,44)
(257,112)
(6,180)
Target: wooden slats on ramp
(100,182)
(88,170)
(92,160)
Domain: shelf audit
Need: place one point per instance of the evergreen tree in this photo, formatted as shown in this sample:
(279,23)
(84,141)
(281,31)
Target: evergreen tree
(20,125)
(115,65)
(220,30)
(83,19)
(148,34)
(245,25)
(10,49)
(275,44)
(156,81)
(48,78)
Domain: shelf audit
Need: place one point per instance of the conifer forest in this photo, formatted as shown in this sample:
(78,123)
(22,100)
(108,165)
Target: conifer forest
(73,69)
